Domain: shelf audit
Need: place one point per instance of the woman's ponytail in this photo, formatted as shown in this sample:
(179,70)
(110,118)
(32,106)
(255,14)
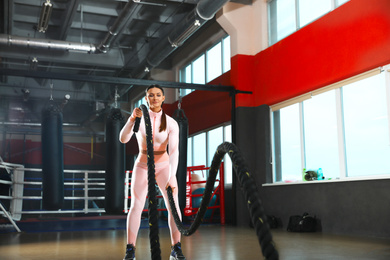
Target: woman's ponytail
(163,125)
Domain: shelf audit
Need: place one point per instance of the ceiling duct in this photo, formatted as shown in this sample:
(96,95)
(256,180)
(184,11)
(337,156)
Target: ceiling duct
(117,27)
(204,11)
(18,41)
(192,22)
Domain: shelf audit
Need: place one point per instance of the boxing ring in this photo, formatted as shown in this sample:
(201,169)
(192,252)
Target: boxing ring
(27,189)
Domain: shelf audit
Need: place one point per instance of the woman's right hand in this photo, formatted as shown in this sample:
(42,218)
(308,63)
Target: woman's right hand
(137,112)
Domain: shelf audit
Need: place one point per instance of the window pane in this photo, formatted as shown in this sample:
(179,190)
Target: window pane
(340,2)
(226,54)
(228,167)
(366,127)
(199,149)
(141,101)
(184,92)
(290,152)
(310,10)
(185,76)
(215,138)
(198,71)
(320,131)
(214,62)
(282,19)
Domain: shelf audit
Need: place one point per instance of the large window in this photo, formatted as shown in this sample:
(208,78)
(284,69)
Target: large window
(287,16)
(208,66)
(366,127)
(202,147)
(344,131)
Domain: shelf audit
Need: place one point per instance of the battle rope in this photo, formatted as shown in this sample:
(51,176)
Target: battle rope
(248,186)
(259,219)
(152,207)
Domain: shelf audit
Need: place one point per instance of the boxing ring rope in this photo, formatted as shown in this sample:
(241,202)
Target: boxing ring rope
(85,182)
(190,209)
(248,186)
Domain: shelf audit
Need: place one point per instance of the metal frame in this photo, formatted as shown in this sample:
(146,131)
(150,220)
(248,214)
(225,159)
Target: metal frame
(219,191)
(117,80)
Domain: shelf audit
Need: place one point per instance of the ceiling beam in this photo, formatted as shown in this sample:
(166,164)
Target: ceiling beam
(113,59)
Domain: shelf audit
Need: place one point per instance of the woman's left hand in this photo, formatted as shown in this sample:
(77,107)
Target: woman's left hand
(169,185)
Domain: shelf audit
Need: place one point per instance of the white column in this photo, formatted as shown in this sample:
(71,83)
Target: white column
(246,25)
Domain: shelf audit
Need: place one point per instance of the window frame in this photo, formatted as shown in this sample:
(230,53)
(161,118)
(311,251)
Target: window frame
(337,87)
(227,170)
(183,92)
(272,19)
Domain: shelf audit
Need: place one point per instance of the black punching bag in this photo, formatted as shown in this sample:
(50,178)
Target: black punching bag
(115,164)
(181,174)
(52,157)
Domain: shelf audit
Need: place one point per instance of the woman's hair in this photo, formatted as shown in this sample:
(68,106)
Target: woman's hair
(163,125)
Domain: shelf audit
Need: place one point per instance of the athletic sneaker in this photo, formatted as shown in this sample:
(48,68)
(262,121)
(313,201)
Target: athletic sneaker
(176,253)
(130,252)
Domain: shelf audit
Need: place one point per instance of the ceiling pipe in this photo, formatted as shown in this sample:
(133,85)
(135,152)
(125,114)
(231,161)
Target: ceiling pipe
(204,11)
(32,124)
(17,41)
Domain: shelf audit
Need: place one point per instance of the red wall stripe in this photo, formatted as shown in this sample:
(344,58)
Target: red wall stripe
(350,40)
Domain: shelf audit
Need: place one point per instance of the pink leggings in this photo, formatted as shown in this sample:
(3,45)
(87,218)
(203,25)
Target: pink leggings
(139,190)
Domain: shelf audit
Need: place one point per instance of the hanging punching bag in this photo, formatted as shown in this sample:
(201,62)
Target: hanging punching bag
(52,157)
(115,164)
(181,174)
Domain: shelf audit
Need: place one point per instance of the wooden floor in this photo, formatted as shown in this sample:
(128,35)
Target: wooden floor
(209,242)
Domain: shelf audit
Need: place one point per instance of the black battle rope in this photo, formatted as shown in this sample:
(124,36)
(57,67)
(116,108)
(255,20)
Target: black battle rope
(248,186)
(252,197)
(152,207)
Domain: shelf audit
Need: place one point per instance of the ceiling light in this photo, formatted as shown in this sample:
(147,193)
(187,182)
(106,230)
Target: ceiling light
(26,94)
(65,100)
(180,35)
(34,64)
(43,23)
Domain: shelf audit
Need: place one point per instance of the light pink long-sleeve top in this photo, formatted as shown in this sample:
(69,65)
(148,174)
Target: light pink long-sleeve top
(161,140)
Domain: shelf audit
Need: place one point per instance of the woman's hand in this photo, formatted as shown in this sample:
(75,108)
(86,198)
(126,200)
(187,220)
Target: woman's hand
(172,187)
(137,112)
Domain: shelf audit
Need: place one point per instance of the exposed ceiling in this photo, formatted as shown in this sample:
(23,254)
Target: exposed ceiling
(87,46)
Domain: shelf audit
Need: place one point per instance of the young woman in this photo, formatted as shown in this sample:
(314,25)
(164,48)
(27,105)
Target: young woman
(165,134)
